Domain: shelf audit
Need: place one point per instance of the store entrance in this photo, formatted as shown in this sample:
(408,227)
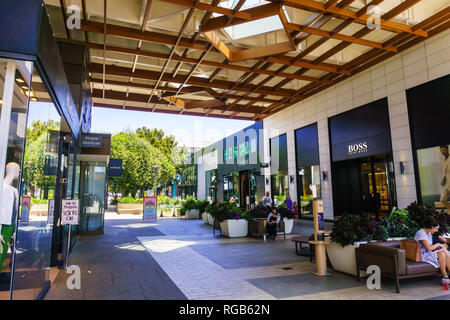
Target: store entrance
(364,185)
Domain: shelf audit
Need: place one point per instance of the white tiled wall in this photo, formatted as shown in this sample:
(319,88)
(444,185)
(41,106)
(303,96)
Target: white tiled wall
(424,62)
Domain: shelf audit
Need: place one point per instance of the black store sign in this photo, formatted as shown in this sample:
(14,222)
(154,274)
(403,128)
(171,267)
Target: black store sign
(92,141)
(361,132)
(115,167)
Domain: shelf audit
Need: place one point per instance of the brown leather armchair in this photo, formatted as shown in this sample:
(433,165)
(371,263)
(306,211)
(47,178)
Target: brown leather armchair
(392,262)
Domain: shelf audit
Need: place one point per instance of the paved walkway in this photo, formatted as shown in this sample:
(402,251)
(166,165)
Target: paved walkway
(181,259)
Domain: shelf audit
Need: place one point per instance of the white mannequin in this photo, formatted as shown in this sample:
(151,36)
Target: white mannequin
(10,195)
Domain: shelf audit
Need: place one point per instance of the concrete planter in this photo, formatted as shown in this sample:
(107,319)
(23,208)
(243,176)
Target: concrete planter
(130,208)
(192,214)
(39,209)
(343,259)
(205,217)
(234,228)
(210,219)
(166,212)
(288,225)
(176,212)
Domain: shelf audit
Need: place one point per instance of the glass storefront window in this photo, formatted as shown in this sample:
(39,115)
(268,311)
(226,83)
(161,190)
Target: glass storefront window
(231,186)
(34,234)
(434,173)
(15,80)
(310,187)
(93,196)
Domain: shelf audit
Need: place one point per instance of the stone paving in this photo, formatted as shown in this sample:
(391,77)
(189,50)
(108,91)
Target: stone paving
(182,259)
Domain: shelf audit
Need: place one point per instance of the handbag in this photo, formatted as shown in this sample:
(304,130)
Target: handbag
(412,250)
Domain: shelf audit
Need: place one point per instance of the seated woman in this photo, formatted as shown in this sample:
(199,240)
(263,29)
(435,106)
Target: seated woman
(272,223)
(434,254)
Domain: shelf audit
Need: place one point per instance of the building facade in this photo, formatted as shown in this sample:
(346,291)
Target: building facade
(372,141)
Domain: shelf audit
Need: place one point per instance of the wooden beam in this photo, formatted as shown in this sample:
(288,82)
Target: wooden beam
(313,6)
(195,81)
(228,66)
(180,102)
(190,89)
(342,37)
(405,5)
(218,44)
(207,7)
(259,52)
(285,23)
(256,13)
(156,37)
(165,111)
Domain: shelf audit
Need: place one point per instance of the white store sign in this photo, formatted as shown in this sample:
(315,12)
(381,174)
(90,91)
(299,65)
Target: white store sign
(70,212)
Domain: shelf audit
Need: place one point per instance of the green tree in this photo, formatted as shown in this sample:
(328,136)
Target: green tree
(35,155)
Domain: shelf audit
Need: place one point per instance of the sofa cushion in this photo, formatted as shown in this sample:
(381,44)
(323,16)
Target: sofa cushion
(419,267)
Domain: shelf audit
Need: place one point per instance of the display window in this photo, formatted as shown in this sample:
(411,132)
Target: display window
(434,172)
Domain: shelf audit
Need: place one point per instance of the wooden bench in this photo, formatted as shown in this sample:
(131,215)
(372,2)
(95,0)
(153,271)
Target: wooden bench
(299,241)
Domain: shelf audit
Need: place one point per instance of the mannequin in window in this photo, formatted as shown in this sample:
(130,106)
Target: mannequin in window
(8,209)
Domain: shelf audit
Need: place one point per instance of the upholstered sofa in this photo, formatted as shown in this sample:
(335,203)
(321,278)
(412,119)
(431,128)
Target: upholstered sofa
(392,262)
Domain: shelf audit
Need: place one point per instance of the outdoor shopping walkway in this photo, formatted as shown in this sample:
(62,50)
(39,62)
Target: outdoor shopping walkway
(181,259)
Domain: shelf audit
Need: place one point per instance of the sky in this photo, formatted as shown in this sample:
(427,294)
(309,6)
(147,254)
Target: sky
(184,128)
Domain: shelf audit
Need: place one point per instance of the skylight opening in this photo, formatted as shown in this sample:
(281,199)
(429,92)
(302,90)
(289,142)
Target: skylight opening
(252,28)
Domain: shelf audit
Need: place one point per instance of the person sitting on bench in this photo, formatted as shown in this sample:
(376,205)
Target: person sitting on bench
(272,223)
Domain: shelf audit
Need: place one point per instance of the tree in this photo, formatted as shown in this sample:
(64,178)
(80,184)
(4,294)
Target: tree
(35,155)
(148,155)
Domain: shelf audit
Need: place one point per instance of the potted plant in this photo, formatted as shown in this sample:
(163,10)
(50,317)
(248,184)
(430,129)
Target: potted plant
(176,202)
(418,213)
(399,225)
(233,220)
(209,212)
(349,231)
(190,208)
(130,205)
(165,203)
(288,217)
(202,205)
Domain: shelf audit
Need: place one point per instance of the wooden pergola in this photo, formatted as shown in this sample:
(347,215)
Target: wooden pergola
(186,62)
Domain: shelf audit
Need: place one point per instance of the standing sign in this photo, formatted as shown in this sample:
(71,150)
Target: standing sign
(115,167)
(51,211)
(70,212)
(25,210)
(150,208)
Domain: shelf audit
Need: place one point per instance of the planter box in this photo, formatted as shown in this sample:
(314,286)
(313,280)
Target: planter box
(166,213)
(397,239)
(192,214)
(176,212)
(205,217)
(130,208)
(257,227)
(343,259)
(288,225)
(234,228)
(210,219)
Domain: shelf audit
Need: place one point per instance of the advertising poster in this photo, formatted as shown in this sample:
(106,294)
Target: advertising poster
(25,210)
(434,171)
(70,212)
(150,208)
(51,211)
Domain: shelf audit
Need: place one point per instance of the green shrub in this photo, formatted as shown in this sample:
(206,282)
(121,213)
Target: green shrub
(189,204)
(400,224)
(202,204)
(350,228)
(283,210)
(260,211)
(418,213)
(130,200)
(39,201)
(226,211)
